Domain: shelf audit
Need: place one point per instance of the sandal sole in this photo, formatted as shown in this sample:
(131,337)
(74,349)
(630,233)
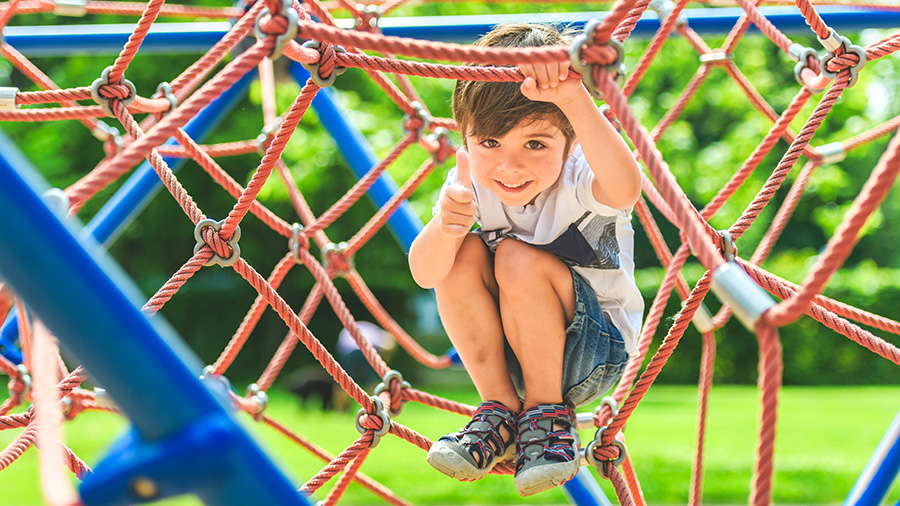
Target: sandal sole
(453,464)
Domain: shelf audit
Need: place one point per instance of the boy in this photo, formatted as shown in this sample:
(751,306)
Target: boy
(540,302)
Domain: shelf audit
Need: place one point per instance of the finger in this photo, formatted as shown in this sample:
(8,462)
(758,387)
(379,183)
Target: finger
(526,69)
(457,195)
(462,168)
(563,70)
(545,79)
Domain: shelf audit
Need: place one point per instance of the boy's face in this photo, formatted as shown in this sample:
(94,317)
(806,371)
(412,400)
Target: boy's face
(521,164)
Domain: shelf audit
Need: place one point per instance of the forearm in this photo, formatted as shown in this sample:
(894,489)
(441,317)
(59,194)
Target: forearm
(616,171)
(432,254)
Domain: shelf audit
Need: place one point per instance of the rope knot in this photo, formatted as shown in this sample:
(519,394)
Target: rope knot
(336,260)
(601,455)
(378,423)
(324,71)
(20,385)
(393,385)
(104,92)
(281,24)
(226,252)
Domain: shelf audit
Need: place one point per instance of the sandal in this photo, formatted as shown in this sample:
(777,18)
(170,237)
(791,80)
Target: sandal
(547,448)
(472,452)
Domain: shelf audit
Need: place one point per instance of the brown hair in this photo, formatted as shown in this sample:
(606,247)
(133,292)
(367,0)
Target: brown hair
(486,109)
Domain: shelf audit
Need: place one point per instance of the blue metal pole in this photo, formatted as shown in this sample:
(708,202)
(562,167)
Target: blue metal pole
(882,469)
(135,193)
(183,430)
(583,490)
(404,223)
(174,38)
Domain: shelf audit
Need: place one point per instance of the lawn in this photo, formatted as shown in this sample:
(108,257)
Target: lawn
(825,437)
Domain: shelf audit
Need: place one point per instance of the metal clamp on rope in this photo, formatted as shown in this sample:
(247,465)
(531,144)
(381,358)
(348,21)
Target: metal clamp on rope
(440,138)
(380,412)
(385,386)
(831,153)
(616,68)
(297,241)
(263,139)
(741,293)
(423,115)
(73,8)
(24,378)
(716,57)
(164,90)
(703,319)
(339,248)
(259,398)
(592,460)
(103,80)
(801,55)
(313,68)
(369,16)
(586,420)
(232,243)
(104,132)
(8,98)
(832,43)
(664,8)
(292,17)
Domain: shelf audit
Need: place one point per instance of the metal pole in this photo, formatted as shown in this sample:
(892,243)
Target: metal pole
(182,428)
(875,481)
(404,223)
(179,38)
(134,194)
(583,490)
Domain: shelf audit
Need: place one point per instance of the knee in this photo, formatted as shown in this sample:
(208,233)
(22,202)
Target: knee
(472,261)
(517,263)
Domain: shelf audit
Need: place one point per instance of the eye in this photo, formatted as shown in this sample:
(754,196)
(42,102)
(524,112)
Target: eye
(490,143)
(533,144)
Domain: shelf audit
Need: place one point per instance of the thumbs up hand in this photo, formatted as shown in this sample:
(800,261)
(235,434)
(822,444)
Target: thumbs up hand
(458,201)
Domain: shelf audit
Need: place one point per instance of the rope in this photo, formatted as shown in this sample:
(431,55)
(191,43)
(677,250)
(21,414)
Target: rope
(204,80)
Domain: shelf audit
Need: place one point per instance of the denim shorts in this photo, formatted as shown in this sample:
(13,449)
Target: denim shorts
(594,357)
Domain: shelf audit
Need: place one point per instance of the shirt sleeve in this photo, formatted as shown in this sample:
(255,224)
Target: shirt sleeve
(581,176)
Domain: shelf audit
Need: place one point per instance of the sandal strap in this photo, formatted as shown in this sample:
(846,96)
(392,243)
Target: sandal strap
(481,436)
(556,445)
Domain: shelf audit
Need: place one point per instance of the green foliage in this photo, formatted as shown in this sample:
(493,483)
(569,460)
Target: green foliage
(713,137)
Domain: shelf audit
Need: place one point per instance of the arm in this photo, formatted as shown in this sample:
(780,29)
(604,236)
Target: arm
(433,251)
(617,181)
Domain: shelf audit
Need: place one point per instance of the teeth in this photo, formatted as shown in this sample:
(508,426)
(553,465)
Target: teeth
(513,185)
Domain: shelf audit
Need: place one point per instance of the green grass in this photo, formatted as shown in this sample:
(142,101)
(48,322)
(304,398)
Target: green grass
(825,437)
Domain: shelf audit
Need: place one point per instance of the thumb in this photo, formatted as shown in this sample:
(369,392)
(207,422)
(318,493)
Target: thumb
(462,168)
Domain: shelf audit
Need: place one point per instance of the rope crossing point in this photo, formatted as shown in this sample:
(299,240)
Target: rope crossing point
(275,25)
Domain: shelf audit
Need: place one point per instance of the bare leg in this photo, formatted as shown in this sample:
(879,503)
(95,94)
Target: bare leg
(467,303)
(537,303)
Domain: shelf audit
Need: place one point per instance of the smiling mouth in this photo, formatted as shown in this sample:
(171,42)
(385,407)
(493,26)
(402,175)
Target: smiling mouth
(514,187)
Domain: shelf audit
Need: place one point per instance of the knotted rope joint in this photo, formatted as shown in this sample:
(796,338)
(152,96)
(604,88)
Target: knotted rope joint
(378,422)
(232,244)
(104,92)
(326,63)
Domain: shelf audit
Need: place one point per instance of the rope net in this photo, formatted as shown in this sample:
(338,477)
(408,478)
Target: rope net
(56,391)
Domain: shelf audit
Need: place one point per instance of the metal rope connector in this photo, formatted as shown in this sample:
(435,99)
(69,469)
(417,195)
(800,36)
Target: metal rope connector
(801,55)
(313,68)
(616,68)
(264,138)
(832,43)
(23,379)
(8,98)
(703,319)
(734,287)
(664,8)
(422,115)
(164,90)
(586,420)
(369,16)
(297,241)
(330,250)
(104,132)
(259,398)
(292,17)
(232,243)
(381,412)
(385,386)
(716,57)
(72,8)
(592,459)
(831,153)
(103,80)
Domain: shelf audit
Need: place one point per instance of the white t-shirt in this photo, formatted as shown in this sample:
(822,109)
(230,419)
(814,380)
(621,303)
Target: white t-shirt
(596,240)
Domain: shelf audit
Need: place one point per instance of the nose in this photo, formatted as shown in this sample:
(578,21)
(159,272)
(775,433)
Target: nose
(512,163)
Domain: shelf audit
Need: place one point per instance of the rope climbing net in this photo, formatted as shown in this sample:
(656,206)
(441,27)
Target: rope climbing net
(597,55)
